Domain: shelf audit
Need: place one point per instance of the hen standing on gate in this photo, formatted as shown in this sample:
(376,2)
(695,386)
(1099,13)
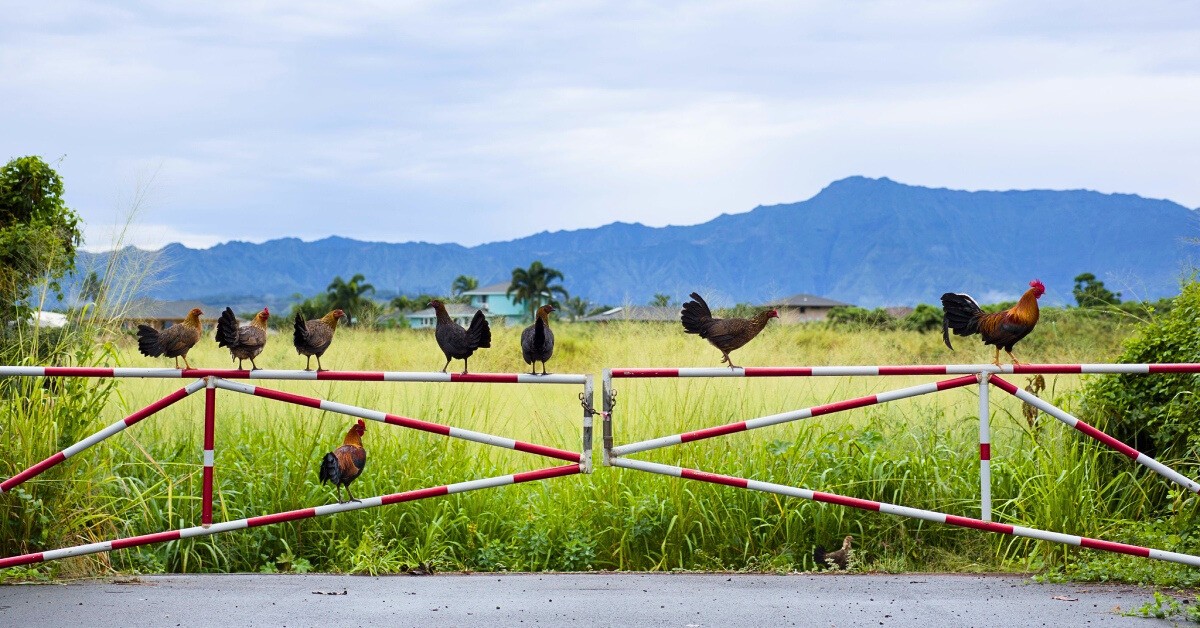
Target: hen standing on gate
(841,557)
(244,342)
(537,341)
(458,343)
(1002,329)
(172,342)
(314,337)
(345,463)
(725,334)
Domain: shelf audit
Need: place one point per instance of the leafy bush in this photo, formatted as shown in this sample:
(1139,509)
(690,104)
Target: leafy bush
(1155,413)
(856,317)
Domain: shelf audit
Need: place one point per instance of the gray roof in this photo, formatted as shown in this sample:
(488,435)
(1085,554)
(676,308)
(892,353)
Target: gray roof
(455,310)
(496,288)
(806,300)
(636,313)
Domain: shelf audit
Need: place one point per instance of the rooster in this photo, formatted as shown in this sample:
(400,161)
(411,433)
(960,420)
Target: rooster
(1002,329)
(345,463)
(726,334)
(537,341)
(458,343)
(314,337)
(244,342)
(172,342)
(841,557)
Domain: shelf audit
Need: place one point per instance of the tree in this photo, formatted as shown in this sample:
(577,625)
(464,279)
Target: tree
(1091,293)
(349,296)
(463,283)
(660,300)
(534,285)
(38,232)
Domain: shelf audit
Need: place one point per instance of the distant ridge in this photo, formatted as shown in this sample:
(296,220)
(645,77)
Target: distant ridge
(867,241)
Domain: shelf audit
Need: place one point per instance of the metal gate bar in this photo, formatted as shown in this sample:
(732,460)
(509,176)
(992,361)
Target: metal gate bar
(905,511)
(115,428)
(293,515)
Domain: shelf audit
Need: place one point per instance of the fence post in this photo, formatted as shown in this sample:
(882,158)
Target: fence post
(985,450)
(210,424)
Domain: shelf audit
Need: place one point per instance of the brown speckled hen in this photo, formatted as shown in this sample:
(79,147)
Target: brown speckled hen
(537,341)
(172,342)
(458,343)
(342,465)
(245,342)
(726,334)
(840,557)
(313,337)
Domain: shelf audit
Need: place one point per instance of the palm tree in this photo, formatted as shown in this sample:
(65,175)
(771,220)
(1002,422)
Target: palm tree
(661,300)
(463,283)
(533,285)
(349,295)
(577,307)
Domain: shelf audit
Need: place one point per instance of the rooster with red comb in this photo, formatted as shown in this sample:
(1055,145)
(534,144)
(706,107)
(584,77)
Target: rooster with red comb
(1001,329)
(342,465)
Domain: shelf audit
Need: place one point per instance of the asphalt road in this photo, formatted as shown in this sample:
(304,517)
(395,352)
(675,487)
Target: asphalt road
(600,599)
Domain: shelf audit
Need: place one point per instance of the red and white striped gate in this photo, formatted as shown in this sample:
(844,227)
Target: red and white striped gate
(213,379)
(969,374)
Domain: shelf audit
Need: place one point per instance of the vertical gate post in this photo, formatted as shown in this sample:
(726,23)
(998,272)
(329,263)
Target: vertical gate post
(210,424)
(589,396)
(985,450)
(606,416)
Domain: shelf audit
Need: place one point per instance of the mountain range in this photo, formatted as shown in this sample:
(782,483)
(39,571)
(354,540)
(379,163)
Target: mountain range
(871,242)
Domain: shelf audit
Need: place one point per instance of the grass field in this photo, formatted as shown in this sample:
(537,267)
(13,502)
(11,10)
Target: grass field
(920,452)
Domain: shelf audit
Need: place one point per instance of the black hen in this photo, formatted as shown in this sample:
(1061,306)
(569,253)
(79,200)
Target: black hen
(537,340)
(458,343)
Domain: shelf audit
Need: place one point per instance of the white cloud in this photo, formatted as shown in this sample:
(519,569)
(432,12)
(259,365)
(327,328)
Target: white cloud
(476,122)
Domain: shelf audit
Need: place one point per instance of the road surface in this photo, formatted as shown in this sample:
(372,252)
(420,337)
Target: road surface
(596,599)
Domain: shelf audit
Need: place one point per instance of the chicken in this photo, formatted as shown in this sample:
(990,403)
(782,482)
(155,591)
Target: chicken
(314,337)
(841,557)
(172,342)
(537,341)
(458,343)
(342,465)
(1002,329)
(726,334)
(244,342)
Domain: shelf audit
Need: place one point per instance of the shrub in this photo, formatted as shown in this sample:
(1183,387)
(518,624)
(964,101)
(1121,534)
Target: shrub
(1155,413)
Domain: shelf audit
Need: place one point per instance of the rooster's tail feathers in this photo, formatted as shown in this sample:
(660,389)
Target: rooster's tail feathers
(148,343)
(695,313)
(480,333)
(227,329)
(330,470)
(300,331)
(961,314)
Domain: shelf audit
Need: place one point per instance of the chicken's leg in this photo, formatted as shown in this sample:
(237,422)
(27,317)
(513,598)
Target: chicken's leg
(1014,358)
(446,365)
(464,366)
(725,358)
(253,366)
(186,363)
(319,367)
(308,362)
(351,495)
(996,360)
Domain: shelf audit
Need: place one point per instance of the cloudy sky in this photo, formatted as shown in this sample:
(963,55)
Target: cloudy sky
(474,122)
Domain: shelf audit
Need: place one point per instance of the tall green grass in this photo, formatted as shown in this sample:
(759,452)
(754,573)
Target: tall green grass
(920,452)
